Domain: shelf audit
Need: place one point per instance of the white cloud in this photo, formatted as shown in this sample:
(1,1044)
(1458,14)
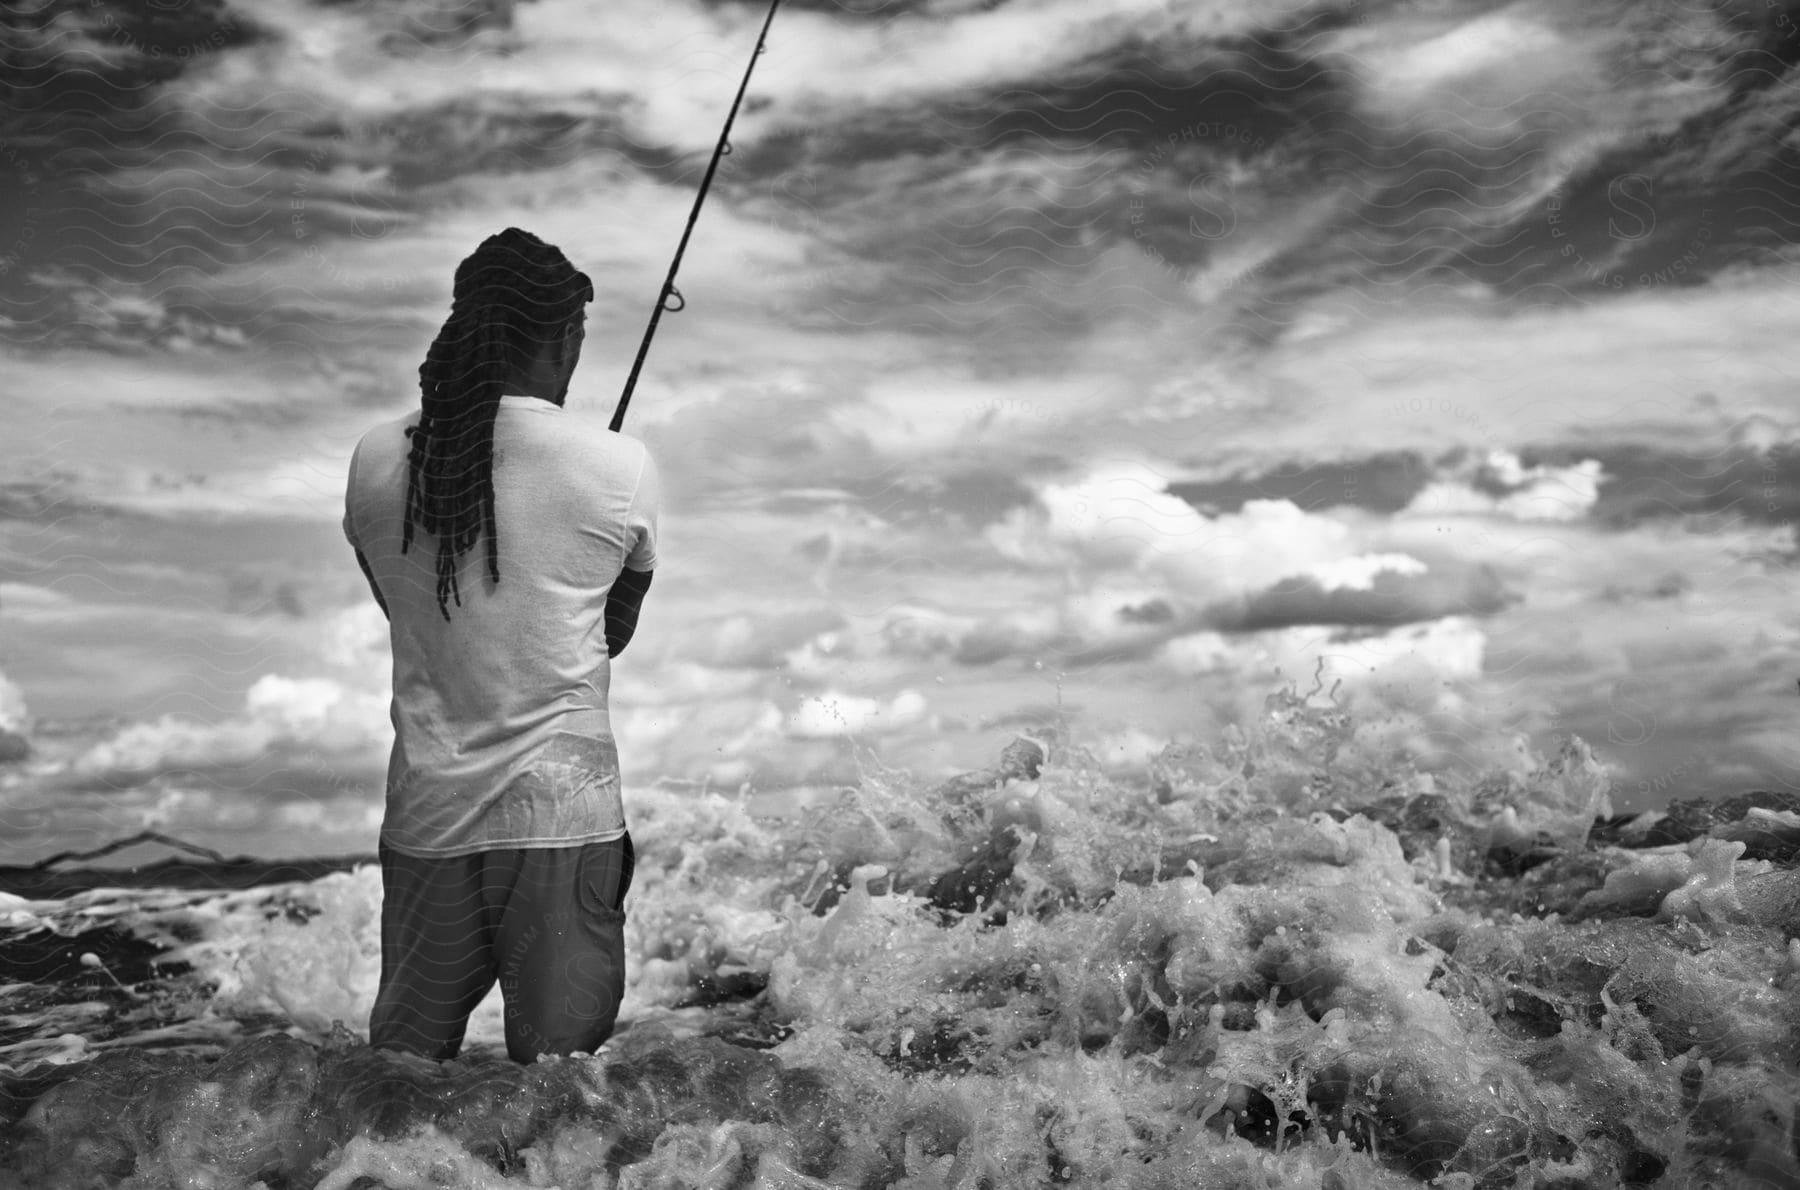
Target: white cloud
(1497,43)
(1433,654)
(306,486)
(1452,647)
(1541,493)
(917,632)
(1199,653)
(28,603)
(277,711)
(13,713)
(356,638)
(671,684)
(775,406)
(1118,514)
(1457,374)
(832,715)
(74,408)
(760,639)
(1358,573)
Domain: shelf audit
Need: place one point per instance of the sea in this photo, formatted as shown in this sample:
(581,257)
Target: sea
(1281,961)
(1224,612)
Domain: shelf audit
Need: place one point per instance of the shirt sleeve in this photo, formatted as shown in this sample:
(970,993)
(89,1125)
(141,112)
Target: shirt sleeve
(640,521)
(349,497)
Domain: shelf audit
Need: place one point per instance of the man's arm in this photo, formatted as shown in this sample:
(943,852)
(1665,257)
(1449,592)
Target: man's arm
(350,531)
(622,605)
(370,575)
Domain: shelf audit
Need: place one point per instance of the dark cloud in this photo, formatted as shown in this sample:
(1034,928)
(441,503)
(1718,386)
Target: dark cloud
(46,497)
(1724,190)
(1390,600)
(995,207)
(1769,42)
(1171,146)
(759,641)
(1192,148)
(754,446)
(987,212)
(1639,481)
(283,773)
(1671,206)
(1000,640)
(436,24)
(250,593)
(1154,611)
(122,190)
(504,134)
(78,87)
(861,9)
(1238,96)
(1384,482)
(972,499)
(1645,483)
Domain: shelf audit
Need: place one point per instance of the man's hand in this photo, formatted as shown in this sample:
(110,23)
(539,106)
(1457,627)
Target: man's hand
(370,575)
(622,605)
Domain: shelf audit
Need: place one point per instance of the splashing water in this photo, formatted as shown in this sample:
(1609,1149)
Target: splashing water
(1284,960)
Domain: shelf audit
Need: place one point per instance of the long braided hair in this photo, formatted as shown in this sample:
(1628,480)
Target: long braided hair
(513,294)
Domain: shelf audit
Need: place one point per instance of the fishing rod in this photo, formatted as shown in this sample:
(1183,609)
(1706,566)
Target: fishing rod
(668,287)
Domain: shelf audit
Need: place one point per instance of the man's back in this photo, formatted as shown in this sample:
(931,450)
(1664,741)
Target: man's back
(500,711)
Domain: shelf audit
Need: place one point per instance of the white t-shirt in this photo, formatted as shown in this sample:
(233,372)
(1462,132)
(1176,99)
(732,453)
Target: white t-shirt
(501,733)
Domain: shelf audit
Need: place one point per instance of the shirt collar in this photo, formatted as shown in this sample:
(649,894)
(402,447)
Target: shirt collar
(529,404)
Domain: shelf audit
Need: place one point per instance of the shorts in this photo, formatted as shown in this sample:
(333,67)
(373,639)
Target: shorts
(548,923)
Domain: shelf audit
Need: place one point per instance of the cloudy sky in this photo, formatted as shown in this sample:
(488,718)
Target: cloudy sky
(1106,359)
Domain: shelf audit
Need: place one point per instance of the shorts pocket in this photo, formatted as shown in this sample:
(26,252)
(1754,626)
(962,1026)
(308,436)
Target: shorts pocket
(604,877)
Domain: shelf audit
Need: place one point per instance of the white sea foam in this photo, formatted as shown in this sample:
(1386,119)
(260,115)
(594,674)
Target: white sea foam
(1192,976)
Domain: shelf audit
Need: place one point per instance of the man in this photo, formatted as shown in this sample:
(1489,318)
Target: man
(510,546)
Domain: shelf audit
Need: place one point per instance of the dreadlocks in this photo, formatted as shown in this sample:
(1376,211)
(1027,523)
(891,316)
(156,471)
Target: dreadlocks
(512,294)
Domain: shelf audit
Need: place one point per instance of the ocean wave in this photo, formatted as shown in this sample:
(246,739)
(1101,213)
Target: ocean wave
(1279,958)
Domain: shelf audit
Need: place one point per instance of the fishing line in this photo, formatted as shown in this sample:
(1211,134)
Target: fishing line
(668,287)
